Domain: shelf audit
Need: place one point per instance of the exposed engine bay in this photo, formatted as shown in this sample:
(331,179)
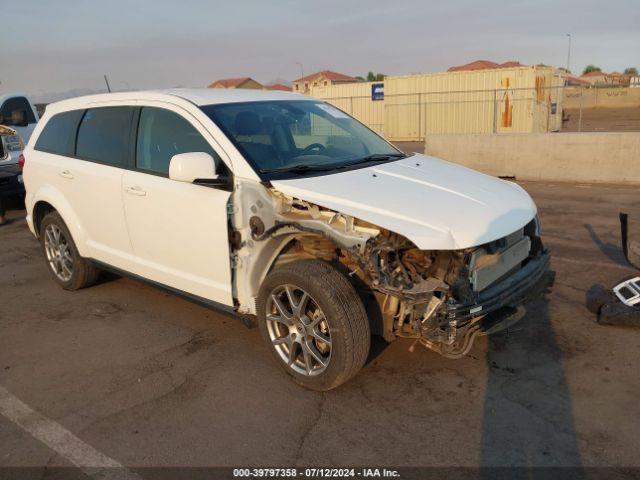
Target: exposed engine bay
(442,298)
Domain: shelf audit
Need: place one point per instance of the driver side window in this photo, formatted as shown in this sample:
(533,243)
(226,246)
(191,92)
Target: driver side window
(163,134)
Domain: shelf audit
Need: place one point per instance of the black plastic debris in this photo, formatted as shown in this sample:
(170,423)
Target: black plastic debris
(609,309)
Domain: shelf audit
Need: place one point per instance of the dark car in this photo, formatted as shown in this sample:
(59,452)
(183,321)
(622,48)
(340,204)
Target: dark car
(11,184)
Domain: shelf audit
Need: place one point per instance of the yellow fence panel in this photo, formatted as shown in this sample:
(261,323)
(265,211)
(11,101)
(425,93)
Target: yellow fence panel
(506,100)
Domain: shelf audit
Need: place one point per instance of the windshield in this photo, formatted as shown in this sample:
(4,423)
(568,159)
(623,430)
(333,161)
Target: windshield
(298,136)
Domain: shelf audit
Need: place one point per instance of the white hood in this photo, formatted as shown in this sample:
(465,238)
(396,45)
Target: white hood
(436,204)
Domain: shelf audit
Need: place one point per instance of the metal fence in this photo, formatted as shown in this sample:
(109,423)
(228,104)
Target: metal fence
(611,108)
(413,116)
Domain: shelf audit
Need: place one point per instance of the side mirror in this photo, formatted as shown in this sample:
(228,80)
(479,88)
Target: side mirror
(19,118)
(192,166)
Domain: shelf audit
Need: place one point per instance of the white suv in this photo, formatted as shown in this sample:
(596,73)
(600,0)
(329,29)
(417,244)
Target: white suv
(279,206)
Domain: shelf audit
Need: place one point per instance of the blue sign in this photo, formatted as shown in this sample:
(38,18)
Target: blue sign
(377,91)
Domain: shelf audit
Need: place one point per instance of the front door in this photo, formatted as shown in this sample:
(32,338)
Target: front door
(178,230)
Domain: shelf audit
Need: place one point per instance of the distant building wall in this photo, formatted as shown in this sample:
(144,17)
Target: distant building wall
(602,97)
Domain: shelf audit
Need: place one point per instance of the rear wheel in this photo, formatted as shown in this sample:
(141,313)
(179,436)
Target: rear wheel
(314,323)
(67,267)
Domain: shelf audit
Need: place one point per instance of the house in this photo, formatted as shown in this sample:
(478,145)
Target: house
(594,77)
(243,82)
(323,78)
(573,81)
(484,65)
(278,86)
(617,78)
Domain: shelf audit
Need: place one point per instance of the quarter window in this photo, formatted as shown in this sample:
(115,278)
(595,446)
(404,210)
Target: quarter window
(163,134)
(59,134)
(103,135)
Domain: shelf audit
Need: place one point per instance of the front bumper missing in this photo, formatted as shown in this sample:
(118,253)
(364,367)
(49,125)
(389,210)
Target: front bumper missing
(528,283)
(495,309)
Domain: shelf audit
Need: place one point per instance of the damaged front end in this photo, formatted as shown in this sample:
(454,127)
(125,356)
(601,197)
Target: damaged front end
(444,299)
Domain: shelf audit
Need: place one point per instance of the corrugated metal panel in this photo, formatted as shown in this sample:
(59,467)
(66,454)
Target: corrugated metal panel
(517,100)
(355,99)
(480,101)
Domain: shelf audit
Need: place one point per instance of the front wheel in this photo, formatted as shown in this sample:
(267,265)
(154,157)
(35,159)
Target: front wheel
(314,323)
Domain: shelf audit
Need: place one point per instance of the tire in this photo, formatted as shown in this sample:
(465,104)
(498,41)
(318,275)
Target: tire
(69,269)
(330,322)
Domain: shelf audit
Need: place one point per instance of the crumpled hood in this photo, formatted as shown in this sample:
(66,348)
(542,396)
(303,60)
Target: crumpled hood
(436,204)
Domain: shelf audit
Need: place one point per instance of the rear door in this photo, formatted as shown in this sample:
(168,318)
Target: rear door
(93,181)
(178,230)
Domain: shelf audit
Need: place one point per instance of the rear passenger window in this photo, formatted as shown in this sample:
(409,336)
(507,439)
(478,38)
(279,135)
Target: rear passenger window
(59,134)
(103,135)
(163,134)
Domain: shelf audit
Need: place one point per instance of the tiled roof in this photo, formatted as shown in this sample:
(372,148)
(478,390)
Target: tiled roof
(230,82)
(278,86)
(573,80)
(328,74)
(484,65)
(594,73)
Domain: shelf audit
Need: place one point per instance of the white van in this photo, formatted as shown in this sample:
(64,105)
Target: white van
(282,208)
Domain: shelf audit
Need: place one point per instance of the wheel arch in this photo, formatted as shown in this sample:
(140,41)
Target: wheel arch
(48,200)
(268,256)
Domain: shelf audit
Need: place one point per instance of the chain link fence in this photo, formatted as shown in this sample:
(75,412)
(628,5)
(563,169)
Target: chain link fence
(412,116)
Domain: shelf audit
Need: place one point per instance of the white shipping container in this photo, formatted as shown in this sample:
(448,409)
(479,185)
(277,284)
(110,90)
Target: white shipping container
(518,100)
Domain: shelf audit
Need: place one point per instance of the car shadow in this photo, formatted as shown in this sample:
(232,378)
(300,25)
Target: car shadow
(107,276)
(527,417)
(378,345)
(612,251)
(9,221)
(15,209)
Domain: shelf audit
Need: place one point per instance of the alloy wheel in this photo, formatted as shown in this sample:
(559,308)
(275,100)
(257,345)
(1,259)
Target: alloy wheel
(58,252)
(298,330)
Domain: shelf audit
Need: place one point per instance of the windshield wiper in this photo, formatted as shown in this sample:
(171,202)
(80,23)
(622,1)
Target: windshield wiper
(378,157)
(299,168)
(302,168)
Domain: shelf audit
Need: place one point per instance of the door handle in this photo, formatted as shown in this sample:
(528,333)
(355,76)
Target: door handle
(66,174)
(135,190)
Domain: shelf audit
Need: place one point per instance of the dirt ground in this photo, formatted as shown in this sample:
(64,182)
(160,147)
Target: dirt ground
(150,379)
(603,120)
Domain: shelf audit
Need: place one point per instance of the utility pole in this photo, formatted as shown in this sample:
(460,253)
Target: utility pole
(301,75)
(569,53)
(106,80)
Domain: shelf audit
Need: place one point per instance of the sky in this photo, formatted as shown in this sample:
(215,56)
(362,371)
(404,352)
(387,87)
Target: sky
(57,46)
